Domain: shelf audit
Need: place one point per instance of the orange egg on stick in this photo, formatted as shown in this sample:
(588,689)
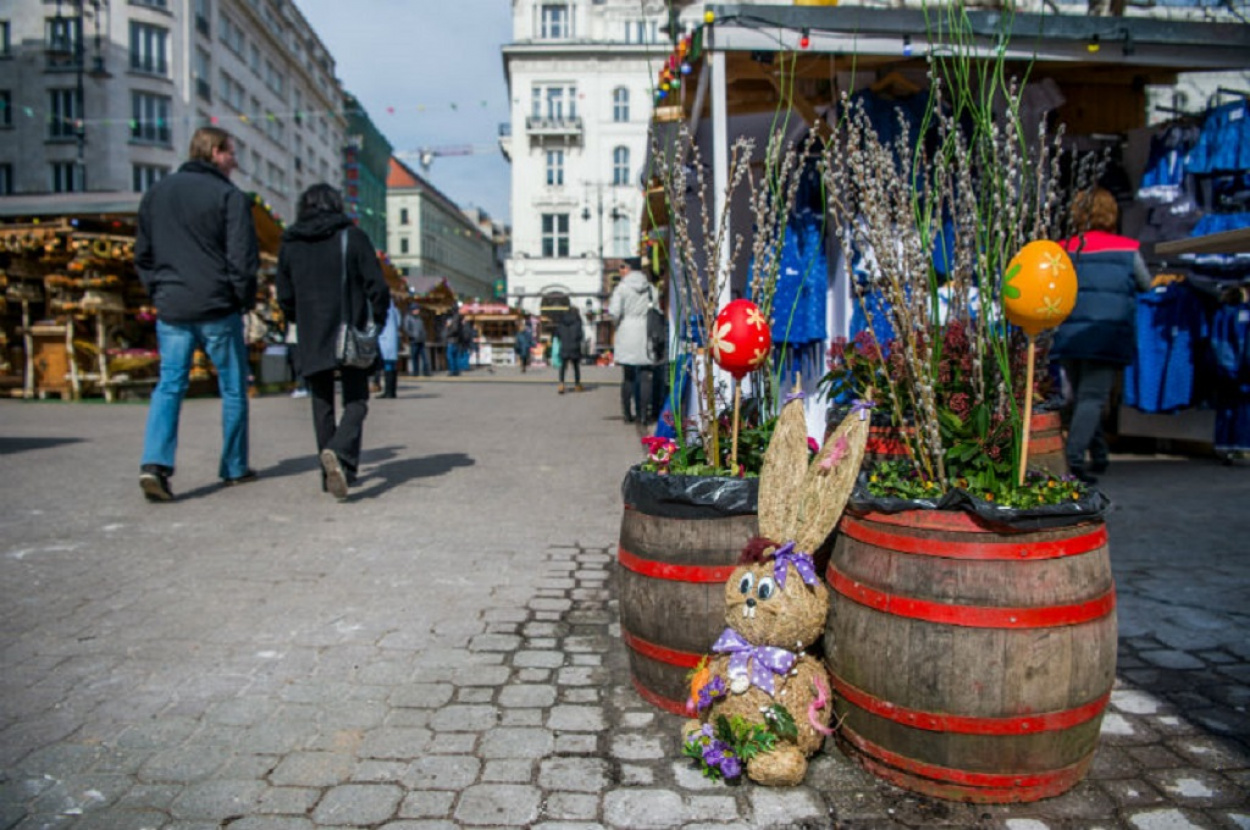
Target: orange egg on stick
(1039,292)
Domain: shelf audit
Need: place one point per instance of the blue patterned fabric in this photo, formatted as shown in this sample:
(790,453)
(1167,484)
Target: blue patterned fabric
(1171,323)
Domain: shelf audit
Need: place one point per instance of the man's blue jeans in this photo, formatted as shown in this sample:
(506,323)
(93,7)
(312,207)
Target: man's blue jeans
(222,340)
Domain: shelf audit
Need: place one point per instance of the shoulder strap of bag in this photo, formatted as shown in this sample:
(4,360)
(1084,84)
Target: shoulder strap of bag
(343,277)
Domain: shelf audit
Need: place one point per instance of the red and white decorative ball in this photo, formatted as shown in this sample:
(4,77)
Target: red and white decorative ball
(741,338)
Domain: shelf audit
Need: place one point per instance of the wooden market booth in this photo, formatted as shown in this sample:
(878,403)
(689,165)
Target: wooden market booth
(756,67)
(497,326)
(76,321)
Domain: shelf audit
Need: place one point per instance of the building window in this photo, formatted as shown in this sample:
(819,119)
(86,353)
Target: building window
(620,104)
(148,48)
(231,91)
(555,234)
(66,177)
(275,80)
(555,102)
(555,21)
(620,166)
(6,180)
(403,216)
(64,110)
(149,118)
(231,34)
(277,178)
(146,175)
(253,58)
(555,168)
(620,236)
(403,244)
(6,108)
(5,40)
(203,14)
(156,4)
(203,75)
(64,34)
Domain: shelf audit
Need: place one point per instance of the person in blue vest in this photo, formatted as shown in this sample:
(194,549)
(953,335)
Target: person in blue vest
(1097,340)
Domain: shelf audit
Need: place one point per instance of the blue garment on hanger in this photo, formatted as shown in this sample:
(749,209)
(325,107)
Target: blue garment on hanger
(1230,350)
(798,312)
(1224,144)
(1171,321)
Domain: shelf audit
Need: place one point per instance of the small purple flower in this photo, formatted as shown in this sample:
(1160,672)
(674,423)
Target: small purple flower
(730,767)
(714,753)
(713,689)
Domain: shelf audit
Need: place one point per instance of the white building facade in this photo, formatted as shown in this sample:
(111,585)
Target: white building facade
(104,96)
(429,236)
(580,78)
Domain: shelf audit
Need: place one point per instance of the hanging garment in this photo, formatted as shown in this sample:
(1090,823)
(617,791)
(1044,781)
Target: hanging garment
(1171,321)
(1164,178)
(1224,144)
(1230,348)
(798,312)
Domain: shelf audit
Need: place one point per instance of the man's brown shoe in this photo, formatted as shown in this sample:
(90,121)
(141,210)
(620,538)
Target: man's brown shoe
(560,389)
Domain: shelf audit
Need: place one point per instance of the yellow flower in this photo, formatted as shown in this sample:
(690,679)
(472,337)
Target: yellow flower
(754,318)
(719,344)
(989,496)
(873,479)
(1050,307)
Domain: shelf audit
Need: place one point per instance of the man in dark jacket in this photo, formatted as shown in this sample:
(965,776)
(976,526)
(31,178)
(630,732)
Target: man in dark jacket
(1098,338)
(196,254)
(414,327)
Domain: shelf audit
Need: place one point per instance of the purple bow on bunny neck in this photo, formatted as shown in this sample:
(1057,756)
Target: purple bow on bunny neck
(794,396)
(801,562)
(759,663)
(862,406)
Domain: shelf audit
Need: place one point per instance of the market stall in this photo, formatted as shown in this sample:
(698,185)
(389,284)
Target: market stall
(435,299)
(497,326)
(750,68)
(76,321)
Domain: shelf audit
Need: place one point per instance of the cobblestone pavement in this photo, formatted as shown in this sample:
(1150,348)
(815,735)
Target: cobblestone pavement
(443,650)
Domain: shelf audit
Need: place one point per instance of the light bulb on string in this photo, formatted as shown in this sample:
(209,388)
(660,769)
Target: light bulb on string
(805,40)
(907,46)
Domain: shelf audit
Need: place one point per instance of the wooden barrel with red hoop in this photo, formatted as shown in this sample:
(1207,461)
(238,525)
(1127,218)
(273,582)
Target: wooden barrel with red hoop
(970,663)
(672,575)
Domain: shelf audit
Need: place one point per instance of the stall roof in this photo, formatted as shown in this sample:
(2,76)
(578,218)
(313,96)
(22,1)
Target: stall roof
(70,204)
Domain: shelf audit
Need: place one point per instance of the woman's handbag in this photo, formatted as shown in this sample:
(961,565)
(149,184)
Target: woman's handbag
(357,348)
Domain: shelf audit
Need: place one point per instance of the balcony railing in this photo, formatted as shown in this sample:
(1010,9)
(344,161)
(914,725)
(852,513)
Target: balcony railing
(542,125)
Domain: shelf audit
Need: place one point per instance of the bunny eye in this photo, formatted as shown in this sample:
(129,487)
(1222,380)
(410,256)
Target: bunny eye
(747,583)
(767,588)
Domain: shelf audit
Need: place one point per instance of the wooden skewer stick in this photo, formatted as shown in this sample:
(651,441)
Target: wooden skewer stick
(1028,412)
(733,449)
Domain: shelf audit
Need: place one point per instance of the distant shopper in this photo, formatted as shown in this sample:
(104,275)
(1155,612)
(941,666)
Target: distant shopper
(196,254)
(453,331)
(628,305)
(524,345)
(317,251)
(414,328)
(1097,340)
(388,348)
(569,330)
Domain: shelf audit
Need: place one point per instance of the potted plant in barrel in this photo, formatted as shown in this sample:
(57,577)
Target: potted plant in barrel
(971,641)
(694,499)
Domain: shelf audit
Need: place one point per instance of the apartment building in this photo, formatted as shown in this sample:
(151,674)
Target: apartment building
(429,236)
(103,96)
(580,75)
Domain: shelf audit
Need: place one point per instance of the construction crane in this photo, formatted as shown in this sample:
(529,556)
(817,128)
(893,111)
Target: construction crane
(425,156)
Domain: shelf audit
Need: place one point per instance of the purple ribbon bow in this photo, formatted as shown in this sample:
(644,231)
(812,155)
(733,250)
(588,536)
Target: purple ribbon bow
(794,396)
(862,406)
(763,661)
(802,562)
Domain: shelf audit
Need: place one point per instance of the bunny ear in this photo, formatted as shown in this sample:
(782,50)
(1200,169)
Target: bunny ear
(828,482)
(785,464)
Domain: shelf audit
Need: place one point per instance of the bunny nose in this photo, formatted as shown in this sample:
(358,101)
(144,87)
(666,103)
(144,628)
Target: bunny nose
(750,602)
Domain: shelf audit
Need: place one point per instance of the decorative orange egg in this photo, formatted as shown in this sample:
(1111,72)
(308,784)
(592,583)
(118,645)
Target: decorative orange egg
(741,338)
(1039,288)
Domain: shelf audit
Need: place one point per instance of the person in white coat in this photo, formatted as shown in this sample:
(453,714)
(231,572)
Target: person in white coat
(629,303)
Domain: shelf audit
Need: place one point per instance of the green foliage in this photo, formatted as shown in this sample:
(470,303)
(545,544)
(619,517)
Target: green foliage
(979,477)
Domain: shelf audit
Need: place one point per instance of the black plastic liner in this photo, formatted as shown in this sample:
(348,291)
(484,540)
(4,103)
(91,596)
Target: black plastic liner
(1089,507)
(690,497)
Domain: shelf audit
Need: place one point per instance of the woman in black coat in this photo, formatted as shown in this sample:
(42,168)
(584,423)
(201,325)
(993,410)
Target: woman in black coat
(569,330)
(312,293)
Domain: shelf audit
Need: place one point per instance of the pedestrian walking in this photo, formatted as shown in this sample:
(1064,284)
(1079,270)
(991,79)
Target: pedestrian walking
(453,333)
(524,344)
(328,273)
(632,298)
(196,254)
(388,348)
(1097,340)
(414,328)
(569,330)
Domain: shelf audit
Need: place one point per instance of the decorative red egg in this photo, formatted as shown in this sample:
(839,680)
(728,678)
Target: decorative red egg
(741,338)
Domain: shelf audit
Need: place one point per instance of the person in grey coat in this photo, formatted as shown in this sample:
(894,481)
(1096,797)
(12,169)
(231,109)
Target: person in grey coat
(414,327)
(628,305)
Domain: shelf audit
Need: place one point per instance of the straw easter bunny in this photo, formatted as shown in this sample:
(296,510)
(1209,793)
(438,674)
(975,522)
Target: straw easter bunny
(775,602)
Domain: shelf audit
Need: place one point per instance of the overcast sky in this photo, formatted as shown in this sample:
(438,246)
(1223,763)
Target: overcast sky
(430,74)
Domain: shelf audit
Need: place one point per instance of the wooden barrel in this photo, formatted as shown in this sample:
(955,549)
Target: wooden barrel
(672,588)
(970,664)
(1046,444)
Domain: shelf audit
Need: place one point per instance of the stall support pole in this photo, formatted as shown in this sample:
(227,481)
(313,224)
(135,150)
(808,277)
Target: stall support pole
(28,385)
(75,389)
